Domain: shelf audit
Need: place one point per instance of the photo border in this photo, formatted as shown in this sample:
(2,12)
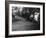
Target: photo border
(7,18)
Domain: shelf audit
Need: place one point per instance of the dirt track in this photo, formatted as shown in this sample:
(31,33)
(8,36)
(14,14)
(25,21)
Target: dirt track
(22,24)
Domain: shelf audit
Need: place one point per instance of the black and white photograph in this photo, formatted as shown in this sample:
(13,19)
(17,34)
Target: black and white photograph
(25,18)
